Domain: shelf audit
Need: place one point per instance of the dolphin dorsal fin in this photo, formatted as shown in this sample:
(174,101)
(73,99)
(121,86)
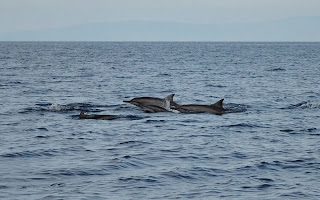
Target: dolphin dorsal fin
(169,100)
(218,104)
(82,115)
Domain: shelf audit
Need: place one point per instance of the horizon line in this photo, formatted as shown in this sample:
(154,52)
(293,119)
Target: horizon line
(222,41)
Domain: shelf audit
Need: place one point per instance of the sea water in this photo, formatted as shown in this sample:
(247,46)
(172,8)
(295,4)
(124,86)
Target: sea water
(267,146)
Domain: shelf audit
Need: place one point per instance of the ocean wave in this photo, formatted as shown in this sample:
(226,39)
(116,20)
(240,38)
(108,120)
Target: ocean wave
(137,179)
(235,108)
(30,154)
(311,131)
(179,175)
(132,143)
(242,125)
(151,121)
(41,152)
(75,172)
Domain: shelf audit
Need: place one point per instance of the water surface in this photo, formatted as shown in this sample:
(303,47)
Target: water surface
(266,148)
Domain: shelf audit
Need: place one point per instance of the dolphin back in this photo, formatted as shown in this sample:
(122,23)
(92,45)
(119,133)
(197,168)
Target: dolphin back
(97,117)
(154,104)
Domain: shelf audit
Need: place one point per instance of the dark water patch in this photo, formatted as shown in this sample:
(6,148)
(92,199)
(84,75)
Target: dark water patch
(276,69)
(132,143)
(32,154)
(42,136)
(295,195)
(274,165)
(183,175)
(75,172)
(163,75)
(311,131)
(122,107)
(238,155)
(278,165)
(172,150)
(12,124)
(127,157)
(16,85)
(5,57)
(4,187)
(37,178)
(154,121)
(138,179)
(187,121)
(42,152)
(13,83)
(128,142)
(311,95)
(266,179)
(202,135)
(133,117)
(58,185)
(296,161)
(242,125)
(258,187)
(42,129)
(206,172)
(287,130)
(188,157)
(127,162)
(215,86)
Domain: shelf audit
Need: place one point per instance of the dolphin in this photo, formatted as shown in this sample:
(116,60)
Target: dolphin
(216,108)
(154,104)
(97,117)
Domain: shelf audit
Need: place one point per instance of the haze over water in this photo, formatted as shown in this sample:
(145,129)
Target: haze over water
(267,147)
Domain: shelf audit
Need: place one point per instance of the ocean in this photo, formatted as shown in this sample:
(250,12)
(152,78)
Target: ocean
(265,147)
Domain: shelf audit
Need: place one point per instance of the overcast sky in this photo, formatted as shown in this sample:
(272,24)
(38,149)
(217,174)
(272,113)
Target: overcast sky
(17,15)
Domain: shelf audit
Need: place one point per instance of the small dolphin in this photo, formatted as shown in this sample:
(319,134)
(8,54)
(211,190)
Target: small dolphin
(153,104)
(216,108)
(97,117)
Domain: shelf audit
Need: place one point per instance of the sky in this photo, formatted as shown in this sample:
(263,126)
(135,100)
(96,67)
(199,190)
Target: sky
(26,15)
(225,20)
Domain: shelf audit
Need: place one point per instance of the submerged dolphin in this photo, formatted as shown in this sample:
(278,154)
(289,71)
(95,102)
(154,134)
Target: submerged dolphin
(97,117)
(216,108)
(154,104)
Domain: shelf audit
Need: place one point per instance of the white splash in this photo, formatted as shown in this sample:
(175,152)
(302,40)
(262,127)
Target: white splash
(58,107)
(315,105)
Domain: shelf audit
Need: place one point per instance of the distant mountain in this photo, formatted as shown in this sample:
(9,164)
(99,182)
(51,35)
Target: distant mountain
(292,29)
